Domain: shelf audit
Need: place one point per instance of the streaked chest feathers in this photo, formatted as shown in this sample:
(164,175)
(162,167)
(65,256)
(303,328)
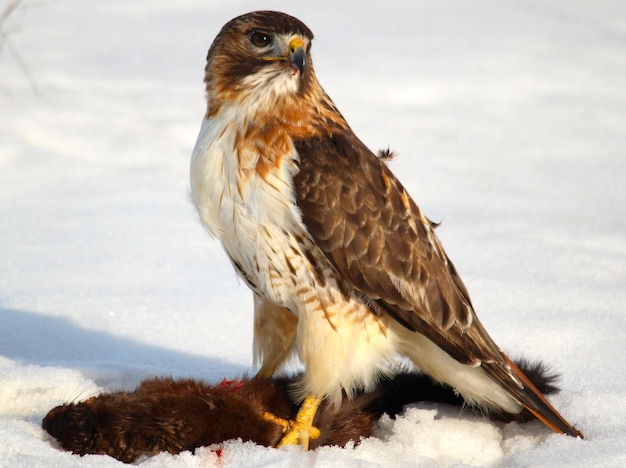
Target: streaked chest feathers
(242,186)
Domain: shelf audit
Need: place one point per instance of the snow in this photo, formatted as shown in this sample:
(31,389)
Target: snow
(509,118)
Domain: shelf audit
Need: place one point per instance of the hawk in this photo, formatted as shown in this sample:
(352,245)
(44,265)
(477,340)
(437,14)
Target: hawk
(345,268)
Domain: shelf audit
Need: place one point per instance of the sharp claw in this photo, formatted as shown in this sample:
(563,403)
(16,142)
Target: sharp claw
(285,424)
(295,433)
(301,429)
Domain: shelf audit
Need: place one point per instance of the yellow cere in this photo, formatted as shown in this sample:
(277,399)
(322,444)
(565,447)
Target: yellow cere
(295,44)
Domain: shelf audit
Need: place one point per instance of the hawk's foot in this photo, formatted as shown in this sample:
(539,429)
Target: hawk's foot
(300,430)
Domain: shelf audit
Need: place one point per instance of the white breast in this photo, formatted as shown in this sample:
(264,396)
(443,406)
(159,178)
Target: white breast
(252,217)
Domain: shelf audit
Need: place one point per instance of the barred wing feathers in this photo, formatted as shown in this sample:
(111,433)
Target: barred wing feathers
(382,245)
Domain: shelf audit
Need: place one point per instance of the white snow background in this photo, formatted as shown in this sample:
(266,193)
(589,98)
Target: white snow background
(510,121)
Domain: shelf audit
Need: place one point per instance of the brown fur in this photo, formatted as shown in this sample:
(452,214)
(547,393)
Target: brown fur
(164,414)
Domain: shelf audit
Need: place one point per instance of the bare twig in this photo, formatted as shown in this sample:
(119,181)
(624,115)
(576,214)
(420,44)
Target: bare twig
(4,16)
(9,10)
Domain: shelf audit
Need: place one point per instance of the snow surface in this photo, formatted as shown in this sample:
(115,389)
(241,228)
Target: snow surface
(510,121)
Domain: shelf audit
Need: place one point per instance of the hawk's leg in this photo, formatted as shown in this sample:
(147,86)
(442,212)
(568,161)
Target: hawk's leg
(300,430)
(274,335)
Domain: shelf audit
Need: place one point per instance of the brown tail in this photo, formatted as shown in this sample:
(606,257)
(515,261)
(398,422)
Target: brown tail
(533,400)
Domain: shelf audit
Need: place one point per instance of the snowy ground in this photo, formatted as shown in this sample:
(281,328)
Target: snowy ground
(510,121)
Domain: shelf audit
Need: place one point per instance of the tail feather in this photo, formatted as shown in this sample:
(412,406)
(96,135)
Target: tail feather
(531,398)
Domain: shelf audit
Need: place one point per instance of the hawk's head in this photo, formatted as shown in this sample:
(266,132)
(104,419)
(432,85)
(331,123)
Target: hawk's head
(259,58)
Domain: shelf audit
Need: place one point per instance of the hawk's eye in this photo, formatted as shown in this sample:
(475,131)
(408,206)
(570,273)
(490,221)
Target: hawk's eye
(260,39)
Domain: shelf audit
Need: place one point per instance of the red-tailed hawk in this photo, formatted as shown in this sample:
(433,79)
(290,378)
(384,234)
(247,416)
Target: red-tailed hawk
(345,268)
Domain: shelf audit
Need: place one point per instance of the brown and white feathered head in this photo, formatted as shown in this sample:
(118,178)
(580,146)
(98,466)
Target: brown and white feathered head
(260,63)
(259,56)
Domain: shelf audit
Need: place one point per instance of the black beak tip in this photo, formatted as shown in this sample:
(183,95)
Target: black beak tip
(298,60)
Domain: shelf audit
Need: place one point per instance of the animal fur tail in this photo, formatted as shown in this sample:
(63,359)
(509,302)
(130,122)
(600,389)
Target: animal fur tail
(410,387)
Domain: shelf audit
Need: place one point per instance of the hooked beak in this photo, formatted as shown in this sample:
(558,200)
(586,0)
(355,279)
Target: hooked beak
(296,58)
(297,55)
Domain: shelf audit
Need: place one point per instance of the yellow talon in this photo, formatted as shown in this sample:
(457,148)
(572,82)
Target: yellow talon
(293,434)
(276,420)
(301,430)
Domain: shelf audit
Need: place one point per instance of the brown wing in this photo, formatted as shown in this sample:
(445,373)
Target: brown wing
(362,218)
(376,237)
